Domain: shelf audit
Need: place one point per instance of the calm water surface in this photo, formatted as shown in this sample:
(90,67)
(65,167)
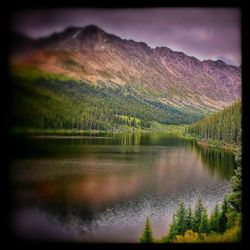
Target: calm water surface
(100,188)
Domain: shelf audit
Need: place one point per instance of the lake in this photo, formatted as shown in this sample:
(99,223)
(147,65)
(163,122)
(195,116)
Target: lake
(100,187)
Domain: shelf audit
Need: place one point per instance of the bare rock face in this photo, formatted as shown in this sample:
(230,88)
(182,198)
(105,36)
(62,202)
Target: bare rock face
(92,55)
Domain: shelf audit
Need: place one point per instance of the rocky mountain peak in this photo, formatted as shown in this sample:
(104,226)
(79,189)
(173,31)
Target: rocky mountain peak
(93,55)
(92,29)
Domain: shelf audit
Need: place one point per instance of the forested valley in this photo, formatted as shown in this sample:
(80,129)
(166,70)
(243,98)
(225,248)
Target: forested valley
(49,101)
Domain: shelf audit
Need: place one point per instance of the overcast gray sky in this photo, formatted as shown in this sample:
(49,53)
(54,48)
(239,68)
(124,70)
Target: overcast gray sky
(206,33)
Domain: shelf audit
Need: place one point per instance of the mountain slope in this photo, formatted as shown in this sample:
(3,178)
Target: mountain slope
(92,55)
(168,86)
(224,126)
(43,100)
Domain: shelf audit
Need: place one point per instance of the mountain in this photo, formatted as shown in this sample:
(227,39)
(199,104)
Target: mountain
(160,79)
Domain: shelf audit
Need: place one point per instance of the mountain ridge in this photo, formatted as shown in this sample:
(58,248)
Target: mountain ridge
(92,55)
(93,26)
(98,29)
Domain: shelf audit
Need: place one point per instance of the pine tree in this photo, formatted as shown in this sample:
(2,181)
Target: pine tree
(200,222)
(198,214)
(147,235)
(179,224)
(214,219)
(204,225)
(172,230)
(133,123)
(181,216)
(234,199)
(189,220)
(223,217)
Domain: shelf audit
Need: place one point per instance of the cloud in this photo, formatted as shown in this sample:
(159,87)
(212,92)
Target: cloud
(201,32)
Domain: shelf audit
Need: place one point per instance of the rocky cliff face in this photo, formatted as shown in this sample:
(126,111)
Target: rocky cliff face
(172,78)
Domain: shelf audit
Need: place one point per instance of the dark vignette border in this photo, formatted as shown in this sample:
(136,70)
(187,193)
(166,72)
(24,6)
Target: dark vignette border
(6,12)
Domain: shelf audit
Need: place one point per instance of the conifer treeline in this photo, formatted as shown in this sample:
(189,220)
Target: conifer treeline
(195,221)
(198,220)
(223,126)
(53,104)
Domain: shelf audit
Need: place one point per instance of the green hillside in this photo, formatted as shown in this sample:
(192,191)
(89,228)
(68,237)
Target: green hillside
(224,126)
(47,101)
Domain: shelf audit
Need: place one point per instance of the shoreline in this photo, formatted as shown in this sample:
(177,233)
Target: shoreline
(176,130)
(234,149)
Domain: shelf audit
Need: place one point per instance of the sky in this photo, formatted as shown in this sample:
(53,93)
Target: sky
(206,33)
